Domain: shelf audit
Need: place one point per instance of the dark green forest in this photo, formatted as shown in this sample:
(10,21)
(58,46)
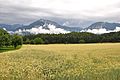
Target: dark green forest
(71,38)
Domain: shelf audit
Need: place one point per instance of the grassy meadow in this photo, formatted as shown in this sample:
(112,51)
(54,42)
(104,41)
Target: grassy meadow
(62,62)
(10,48)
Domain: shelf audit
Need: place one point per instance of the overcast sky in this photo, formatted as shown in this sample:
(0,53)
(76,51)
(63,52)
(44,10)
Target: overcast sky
(66,12)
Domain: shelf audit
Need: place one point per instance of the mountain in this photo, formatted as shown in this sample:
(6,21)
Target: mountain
(48,26)
(102,27)
(106,25)
(9,27)
(39,26)
(45,23)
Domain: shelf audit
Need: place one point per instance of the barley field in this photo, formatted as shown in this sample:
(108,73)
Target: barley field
(62,62)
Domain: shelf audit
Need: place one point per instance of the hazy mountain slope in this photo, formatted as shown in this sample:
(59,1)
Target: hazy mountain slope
(106,25)
(44,24)
(9,27)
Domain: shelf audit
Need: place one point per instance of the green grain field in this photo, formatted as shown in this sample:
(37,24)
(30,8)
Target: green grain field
(62,62)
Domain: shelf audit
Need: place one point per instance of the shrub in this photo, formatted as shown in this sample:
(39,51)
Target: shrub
(82,41)
(38,41)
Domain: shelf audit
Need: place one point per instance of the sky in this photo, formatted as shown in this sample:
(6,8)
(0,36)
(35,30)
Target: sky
(73,13)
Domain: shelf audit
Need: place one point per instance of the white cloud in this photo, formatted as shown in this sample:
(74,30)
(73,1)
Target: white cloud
(4,29)
(101,30)
(51,30)
(117,29)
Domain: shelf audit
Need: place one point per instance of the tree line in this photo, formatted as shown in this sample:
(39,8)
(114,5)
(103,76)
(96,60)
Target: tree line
(7,40)
(73,37)
(70,38)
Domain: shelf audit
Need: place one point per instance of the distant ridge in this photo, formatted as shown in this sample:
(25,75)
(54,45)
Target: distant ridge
(10,27)
(44,23)
(106,25)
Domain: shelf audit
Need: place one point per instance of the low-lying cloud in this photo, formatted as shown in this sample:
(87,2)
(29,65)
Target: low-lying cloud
(40,30)
(101,30)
